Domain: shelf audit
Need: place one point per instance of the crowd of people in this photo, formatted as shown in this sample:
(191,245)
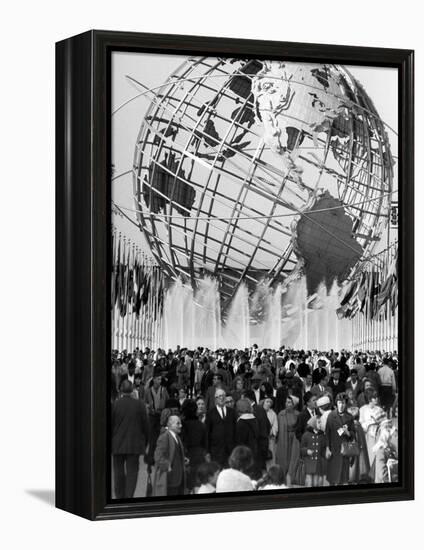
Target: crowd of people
(241,420)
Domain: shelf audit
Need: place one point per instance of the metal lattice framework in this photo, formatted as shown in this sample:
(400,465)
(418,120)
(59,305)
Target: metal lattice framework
(204,173)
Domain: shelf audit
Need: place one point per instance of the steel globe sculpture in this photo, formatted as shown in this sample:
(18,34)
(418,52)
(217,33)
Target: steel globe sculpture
(246,170)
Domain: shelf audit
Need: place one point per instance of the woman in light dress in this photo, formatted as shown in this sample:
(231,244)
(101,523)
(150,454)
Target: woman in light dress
(370,416)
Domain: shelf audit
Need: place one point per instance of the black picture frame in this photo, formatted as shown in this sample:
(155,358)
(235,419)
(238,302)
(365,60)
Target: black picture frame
(83,260)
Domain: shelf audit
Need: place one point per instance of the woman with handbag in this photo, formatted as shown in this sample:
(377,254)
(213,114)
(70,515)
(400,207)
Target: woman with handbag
(340,433)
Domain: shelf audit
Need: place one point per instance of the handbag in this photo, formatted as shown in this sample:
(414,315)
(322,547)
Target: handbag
(349,449)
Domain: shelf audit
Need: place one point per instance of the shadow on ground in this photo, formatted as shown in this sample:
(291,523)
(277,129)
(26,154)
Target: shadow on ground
(45,495)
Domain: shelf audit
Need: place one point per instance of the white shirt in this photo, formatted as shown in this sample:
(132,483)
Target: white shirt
(257,395)
(387,376)
(367,416)
(222,411)
(174,435)
(206,488)
(324,417)
(233,480)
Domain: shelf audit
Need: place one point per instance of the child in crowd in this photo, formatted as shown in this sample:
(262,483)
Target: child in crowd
(207,474)
(312,450)
(274,478)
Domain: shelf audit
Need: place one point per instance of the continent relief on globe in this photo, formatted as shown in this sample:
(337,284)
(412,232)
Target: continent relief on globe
(292,99)
(323,240)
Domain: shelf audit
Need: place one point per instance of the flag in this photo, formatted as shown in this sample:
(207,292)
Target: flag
(368,297)
(362,290)
(350,289)
(146,290)
(117,279)
(385,291)
(123,286)
(353,310)
(395,290)
(140,289)
(374,294)
(135,284)
(341,311)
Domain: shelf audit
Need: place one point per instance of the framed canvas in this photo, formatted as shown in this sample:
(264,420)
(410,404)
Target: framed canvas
(234,275)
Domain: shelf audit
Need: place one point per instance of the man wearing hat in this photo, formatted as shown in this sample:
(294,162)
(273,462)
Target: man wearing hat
(130,431)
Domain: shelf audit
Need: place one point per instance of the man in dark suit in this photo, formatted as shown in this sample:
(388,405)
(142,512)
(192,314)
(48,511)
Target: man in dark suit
(319,372)
(210,392)
(256,388)
(220,429)
(130,431)
(310,410)
(303,369)
(130,376)
(170,460)
(335,384)
(264,426)
(354,384)
(322,388)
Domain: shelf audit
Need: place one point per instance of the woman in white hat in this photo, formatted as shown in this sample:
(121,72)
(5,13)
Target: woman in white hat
(324,406)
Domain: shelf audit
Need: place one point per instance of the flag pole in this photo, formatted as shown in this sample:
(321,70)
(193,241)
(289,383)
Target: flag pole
(151,296)
(142,309)
(126,295)
(132,299)
(122,296)
(137,344)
